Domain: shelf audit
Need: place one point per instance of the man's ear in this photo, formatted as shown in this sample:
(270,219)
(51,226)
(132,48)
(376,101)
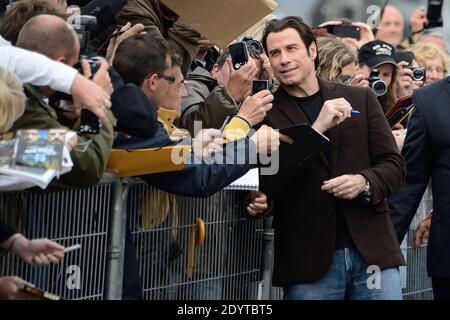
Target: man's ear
(312,51)
(61,59)
(215,69)
(151,82)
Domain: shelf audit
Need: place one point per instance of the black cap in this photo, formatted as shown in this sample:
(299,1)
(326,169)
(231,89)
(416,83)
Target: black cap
(375,53)
(135,114)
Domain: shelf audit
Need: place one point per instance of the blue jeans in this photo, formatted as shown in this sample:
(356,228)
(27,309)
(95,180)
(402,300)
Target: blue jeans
(350,277)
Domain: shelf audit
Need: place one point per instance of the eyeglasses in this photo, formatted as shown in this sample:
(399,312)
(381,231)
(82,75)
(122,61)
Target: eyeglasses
(169,79)
(438,70)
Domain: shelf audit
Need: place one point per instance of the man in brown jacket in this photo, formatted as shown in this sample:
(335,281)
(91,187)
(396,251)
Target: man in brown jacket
(333,235)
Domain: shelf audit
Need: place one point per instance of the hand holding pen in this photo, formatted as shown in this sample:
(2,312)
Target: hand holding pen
(333,113)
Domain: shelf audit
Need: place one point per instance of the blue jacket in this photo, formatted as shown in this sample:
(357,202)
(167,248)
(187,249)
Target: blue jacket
(198,178)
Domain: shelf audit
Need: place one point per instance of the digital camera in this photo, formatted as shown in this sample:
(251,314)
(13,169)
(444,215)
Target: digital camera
(84,26)
(254,47)
(419,74)
(376,84)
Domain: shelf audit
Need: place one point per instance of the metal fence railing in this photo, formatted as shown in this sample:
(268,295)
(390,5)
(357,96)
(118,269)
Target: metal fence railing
(226,266)
(416,283)
(68,217)
(234,262)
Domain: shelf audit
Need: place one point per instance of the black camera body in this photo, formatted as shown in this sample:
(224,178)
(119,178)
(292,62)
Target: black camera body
(345,31)
(254,47)
(89,122)
(419,74)
(376,84)
(84,26)
(92,64)
(241,51)
(239,54)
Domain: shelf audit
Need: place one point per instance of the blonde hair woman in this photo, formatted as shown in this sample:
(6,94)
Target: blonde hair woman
(12,99)
(432,58)
(337,61)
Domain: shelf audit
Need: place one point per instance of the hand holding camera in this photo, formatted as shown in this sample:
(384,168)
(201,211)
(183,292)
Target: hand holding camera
(340,30)
(404,80)
(366,33)
(98,71)
(410,78)
(255,108)
(359,80)
(240,82)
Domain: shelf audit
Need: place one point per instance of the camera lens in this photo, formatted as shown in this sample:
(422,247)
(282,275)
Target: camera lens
(418,74)
(379,88)
(254,47)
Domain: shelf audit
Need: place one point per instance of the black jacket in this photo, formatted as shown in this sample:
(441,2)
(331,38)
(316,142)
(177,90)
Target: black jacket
(427,155)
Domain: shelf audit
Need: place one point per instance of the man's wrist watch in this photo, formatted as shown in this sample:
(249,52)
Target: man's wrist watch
(367,191)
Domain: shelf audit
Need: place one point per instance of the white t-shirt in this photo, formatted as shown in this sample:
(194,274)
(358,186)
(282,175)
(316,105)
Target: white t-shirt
(36,68)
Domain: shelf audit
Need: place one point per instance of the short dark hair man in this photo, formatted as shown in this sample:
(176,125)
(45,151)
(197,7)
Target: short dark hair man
(331,220)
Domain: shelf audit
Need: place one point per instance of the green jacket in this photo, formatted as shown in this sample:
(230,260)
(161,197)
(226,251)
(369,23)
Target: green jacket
(180,38)
(206,102)
(88,166)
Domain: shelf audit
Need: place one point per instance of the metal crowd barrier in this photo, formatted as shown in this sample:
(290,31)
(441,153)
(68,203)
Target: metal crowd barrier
(234,262)
(416,283)
(228,264)
(90,217)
